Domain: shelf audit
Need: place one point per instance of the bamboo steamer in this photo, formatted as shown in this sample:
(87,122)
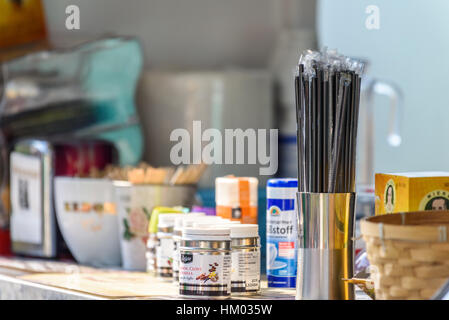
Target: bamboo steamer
(408,253)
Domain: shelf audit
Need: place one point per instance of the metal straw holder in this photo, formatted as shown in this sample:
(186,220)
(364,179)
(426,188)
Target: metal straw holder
(326,252)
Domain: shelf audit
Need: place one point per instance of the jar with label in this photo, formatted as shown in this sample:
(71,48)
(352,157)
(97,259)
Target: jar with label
(153,241)
(165,247)
(187,222)
(205,265)
(245,273)
(150,253)
(177,235)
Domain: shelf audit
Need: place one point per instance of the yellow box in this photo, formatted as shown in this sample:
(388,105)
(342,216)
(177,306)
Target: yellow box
(411,191)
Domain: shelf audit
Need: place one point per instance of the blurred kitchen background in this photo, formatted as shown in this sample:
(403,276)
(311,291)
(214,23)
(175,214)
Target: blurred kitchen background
(212,60)
(230,64)
(205,35)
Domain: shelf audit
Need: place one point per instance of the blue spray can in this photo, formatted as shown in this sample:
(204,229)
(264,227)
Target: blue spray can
(282,235)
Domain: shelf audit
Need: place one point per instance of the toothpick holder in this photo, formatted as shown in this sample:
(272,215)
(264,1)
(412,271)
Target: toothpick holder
(326,251)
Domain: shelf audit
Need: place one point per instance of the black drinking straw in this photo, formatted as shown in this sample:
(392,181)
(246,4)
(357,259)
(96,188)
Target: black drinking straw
(330,128)
(299,95)
(352,127)
(298,124)
(319,125)
(314,143)
(309,135)
(333,172)
(357,85)
(324,121)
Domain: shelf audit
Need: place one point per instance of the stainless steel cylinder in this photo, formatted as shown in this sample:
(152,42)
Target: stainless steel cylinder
(326,251)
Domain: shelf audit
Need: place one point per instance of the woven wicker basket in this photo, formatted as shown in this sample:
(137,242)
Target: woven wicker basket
(408,252)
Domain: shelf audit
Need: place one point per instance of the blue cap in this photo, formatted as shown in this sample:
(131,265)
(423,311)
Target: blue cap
(283,183)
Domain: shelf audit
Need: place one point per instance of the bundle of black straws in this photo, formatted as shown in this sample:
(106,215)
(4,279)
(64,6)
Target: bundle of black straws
(327,89)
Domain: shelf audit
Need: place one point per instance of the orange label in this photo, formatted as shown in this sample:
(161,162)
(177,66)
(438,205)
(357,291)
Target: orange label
(242,214)
(244,193)
(245,213)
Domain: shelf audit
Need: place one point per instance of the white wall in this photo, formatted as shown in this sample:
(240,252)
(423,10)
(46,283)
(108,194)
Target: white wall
(188,33)
(411,49)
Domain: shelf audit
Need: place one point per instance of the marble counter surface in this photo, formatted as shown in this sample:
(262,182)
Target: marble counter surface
(12,288)
(15,284)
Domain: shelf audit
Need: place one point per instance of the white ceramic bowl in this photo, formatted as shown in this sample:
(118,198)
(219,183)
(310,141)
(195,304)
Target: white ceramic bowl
(87,217)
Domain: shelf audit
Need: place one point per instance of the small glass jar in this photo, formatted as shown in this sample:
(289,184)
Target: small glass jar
(245,244)
(150,253)
(177,235)
(165,246)
(205,263)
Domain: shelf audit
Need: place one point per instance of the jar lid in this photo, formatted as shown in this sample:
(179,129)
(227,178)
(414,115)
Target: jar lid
(218,231)
(283,183)
(167,220)
(214,223)
(190,221)
(282,189)
(156,213)
(244,230)
(181,217)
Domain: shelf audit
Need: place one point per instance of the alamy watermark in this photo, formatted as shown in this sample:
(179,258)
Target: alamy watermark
(72,21)
(372,21)
(212,147)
